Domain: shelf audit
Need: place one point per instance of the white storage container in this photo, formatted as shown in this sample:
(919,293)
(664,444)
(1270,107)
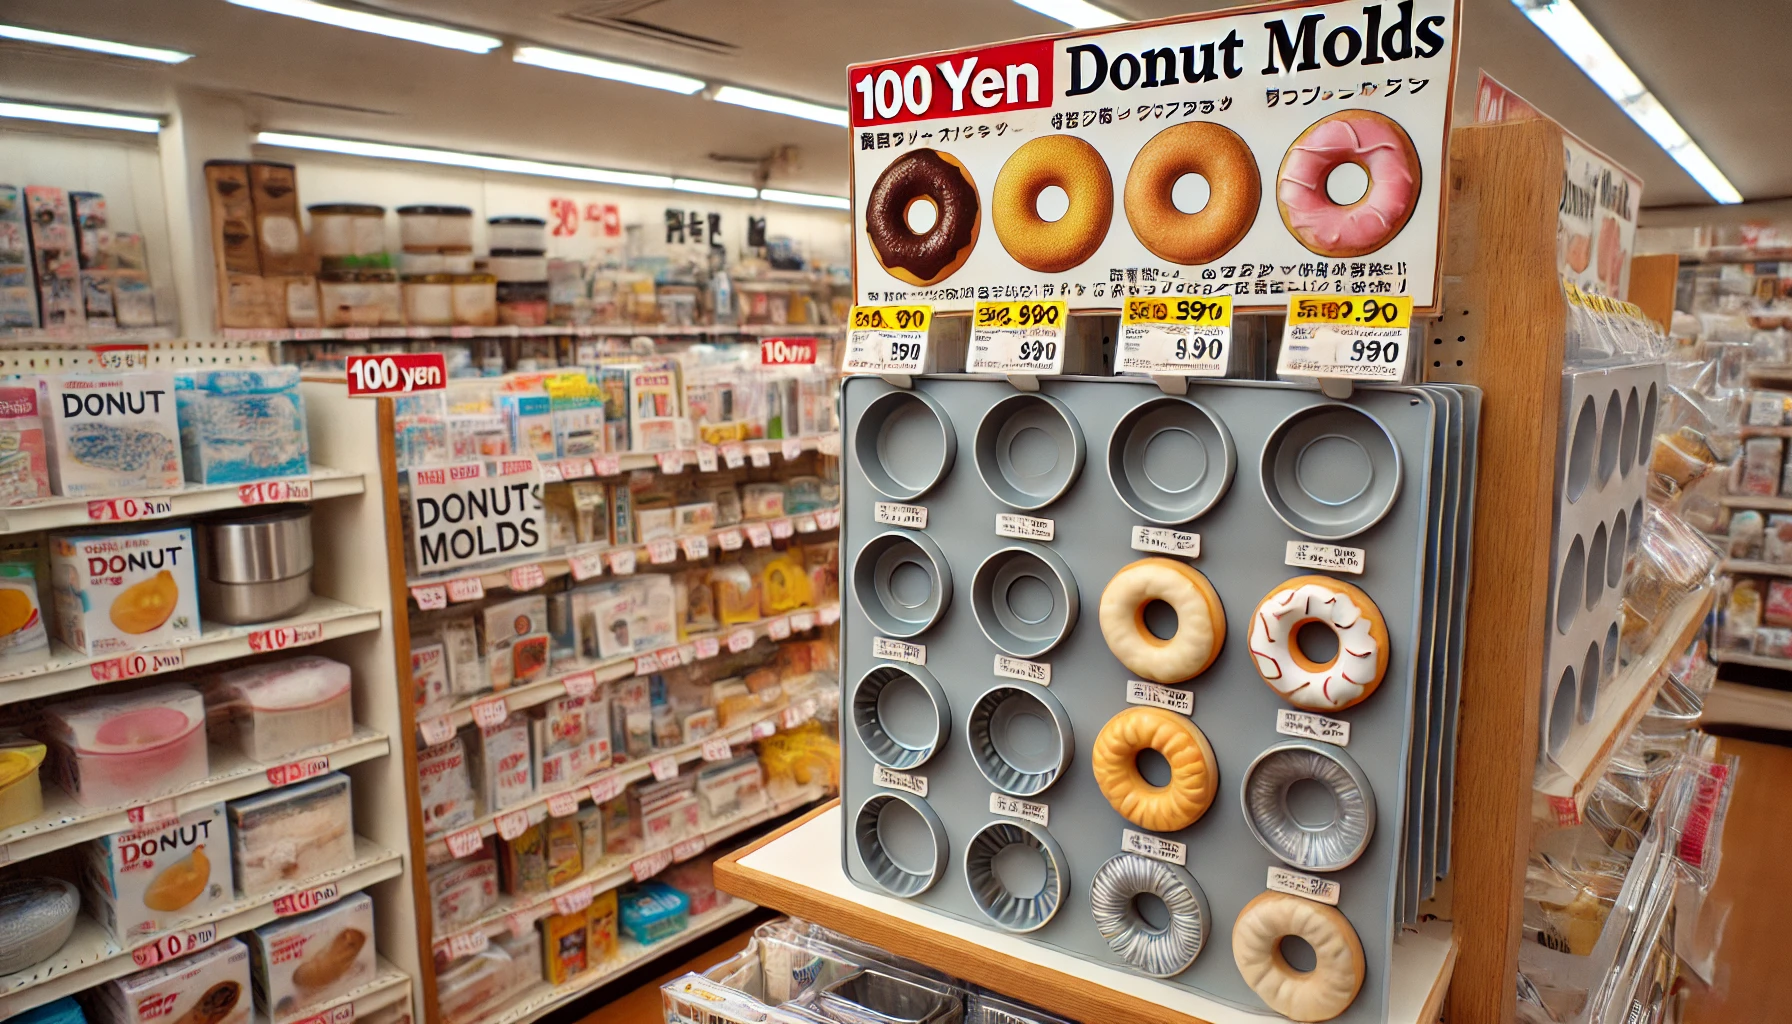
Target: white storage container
(127,748)
(280,708)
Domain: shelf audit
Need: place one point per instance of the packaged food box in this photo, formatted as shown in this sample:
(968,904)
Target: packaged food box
(142,882)
(564,858)
(301,961)
(591,835)
(516,641)
(128,747)
(563,946)
(653,911)
(124,591)
(526,861)
(504,772)
(731,788)
(210,987)
(289,834)
(279,708)
(21,788)
(462,890)
(1776,539)
(241,424)
(601,927)
(24,462)
(429,675)
(460,644)
(21,610)
(566,747)
(1762,458)
(445,787)
(110,433)
(696,879)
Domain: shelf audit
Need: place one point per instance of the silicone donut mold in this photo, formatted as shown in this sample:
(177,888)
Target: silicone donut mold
(1159,953)
(1329,846)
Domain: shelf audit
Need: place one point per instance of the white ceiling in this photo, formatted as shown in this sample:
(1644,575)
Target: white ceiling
(1720,68)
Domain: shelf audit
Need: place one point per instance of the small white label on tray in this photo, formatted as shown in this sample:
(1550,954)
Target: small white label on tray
(792,448)
(431,598)
(1016,668)
(729,540)
(663,767)
(1156,847)
(563,805)
(1168,697)
(1308,555)
(884,648)
(695,547)
(761,457)
(778,628)
(759,534)
(491,713)
(1018,337)
(436,730)
(1024,527)
(607,788)
(734,455)
(298,771)
(584,684)
(1160,540)
(1014,807)
(622,562)
(908,782)
(1358,337)
(466,842)
(1322,890)
(661,552)
(706,458)
(585,565)
(781,528)
(717,748)
(740,640)
(280,638)
(308,900)
(469,588)
(1307,725)
(513,824)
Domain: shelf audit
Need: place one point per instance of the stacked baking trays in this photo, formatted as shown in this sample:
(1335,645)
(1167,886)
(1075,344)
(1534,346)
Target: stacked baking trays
(993,767)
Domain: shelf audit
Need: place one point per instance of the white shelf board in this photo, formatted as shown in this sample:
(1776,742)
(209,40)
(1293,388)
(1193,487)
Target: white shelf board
(1737,565)
(64,670)
(193,499)
(420,331)
(388,986)
(1763,502)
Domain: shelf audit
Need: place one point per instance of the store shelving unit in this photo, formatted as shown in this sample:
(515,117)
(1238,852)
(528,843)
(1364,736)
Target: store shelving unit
(389,986)
(420,333)
(191,500)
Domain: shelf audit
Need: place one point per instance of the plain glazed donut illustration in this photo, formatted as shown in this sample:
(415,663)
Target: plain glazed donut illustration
(1234,189)
(1052,246)
(1350,676)
(1319,994)
(1200,620)
(928,257)
(1160,954)
(1194,774)
(1384,151)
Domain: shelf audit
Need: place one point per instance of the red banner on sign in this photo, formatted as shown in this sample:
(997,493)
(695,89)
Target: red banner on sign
(787,352)
(396,373)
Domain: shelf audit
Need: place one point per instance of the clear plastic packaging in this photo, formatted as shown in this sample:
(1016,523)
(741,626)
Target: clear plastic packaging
(125,748)
(291,833)
(279,708)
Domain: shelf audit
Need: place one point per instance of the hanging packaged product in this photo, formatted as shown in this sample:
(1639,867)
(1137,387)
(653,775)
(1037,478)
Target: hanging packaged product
(118,748)
(110,433)
(474,512)
(656,418)
(211,986)
(302,961)
(445,787)
(241,424)
(121,591)
(143,882)
(514,641)
(24,465)
(289,834)
(461,890)
(503,773)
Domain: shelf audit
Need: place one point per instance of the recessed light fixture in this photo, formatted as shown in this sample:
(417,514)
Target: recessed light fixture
(781,105)
(85,118)
(773,195)
(715,188)
(1569,29)
(1075,13)
(579,64)
(378,24)
(32,35)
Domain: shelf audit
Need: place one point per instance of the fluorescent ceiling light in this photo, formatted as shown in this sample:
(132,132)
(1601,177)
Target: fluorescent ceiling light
(379,24)
(781,105)
(450,158)
(1075,13)
(715,188)
(772,195)
(1563,23)
(32,35)
(88,118)
(580,64)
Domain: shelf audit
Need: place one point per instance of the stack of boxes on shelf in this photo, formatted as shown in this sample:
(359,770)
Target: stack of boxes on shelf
(61,264)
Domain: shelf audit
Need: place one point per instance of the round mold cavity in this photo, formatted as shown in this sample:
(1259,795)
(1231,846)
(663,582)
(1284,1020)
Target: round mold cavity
(1588,696)
(1571,583)
(1610,438)
(1017,874)
(1020,737)
(1609,656)
(1596,555)
(1025,599)
(1029,450)
(1636,527)
(1170,460)
(901,715)
(904,444)
(1615,555)
(1310,805)
(1159,950)
(1581,444)
(1561,712)
(902,843)
(1331,471)
(902,582)
(1646,432)
(1628,442)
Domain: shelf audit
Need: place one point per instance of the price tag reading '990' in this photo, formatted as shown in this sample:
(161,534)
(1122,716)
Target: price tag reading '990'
(1018,337)
(1360,337)
(887,339)
(1186,337)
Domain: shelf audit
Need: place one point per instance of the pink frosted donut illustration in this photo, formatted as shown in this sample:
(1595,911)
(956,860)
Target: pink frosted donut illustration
(1371,141)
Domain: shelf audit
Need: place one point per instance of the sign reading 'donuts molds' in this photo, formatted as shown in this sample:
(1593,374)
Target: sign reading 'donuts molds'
(475,512)
(1060,167)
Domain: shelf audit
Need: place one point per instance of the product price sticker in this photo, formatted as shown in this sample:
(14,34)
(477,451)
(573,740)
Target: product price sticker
(1189,337)
(1032,671)
(521,922)
(576,469)
(436,730)
(431,598)
(607,788)
(607,465)
(717,748)
(791,448)
(887,339)
(804,524)
(695,547)
(174,944)
(528,577)
(306,901)
(551,474)
(266,492)
(650,865)
(298,771)
(763,728)
(778,628)
(730,540)
(344,1014)
(740,640)
(467,944)
(734,454)
(278,638)
(706,458)
(760,456)
(141,663)
(660,552)
(1330,557)
(1018,337)
(827,518)
(1321,890)
(1164,541)
(685,849)
(1020,527)
(489,714)
(1307,725)
(1013,807)
(563,805)
(1156,847)
(908,782)
(828,615)
(1169,698)
(622,562)
(796,714)
(781,529)
(466,842)
(512,824)
(576,900)
(663,767)
(759,535)
(467,588)
(802,622)
(583,684)
(1358,337)
(585,565)
(671,462)
(119,510)
(708,647)
(886,649)
(152,814)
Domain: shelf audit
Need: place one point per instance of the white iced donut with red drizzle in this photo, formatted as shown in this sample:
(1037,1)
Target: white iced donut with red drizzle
(1369,140)
(1353,672)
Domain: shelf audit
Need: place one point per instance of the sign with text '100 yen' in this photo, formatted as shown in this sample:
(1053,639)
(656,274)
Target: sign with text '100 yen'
(474,512)
(1180,337)
(1362,338)
(887,339)
(1018,337)
(397,373)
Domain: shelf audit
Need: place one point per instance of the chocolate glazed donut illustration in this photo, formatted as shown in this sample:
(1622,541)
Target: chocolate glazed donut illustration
(923,258)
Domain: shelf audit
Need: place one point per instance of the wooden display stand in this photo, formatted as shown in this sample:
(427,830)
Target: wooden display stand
(1503,330)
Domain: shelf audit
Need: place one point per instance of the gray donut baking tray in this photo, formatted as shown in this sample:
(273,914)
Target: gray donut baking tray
(1007,800)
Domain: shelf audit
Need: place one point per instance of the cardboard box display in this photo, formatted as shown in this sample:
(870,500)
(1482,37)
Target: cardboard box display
(121,591)
(143,882)
(24,462)
(503,773)
(232,204)
(445,787)
(274,197)
(292,833)
(110,433)
(210,987)
(301,961)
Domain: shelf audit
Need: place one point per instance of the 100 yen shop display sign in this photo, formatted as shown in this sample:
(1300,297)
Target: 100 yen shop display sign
(475,512)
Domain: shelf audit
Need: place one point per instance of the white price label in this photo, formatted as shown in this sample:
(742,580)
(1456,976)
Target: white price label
(707,647)
(781,528)
(1156,847)
(829,614)
(298,771)
(1031,671)
(1330,557)
(886,649)
(908,782)
(309,900)
(695,547)
(650,865)
(279,638)
(685,849)
(120,510)
(1309,726)
(649,663)
(607,788)
(792,448)
(1322,890)
(663,767)
(576,469)
(1168,697)
(140,663)
(431,598)
(268,492)
(174,944)
(528,577)
(436,730)
(763,728)
(583,684)
(520,922)
(584,565)
(778,628)
(1018,337)
(466,842)
(607,465)
(1158,540)
(344,1014)
(563,805)
(730,540)
(760,456)
(887,339)
(827,518)
(467,944)
(489,714)
(671,462)
(1359,337)
(804,524)
(1187,337)
(622,562)
(152,814)
(576,900)
(740,640)
(734,455)
(797,714)
(759,535)
(470,588)
(1024,527)
(706,458)
(551,474)
(717,748)
(802,622)
(512,824)
(1013,807)
(660,552)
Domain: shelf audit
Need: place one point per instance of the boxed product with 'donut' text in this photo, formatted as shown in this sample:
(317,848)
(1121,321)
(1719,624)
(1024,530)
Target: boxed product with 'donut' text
(110,433)
(118,592)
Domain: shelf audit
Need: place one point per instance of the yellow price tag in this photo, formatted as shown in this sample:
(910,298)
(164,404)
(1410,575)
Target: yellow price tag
(1208,311)
(890,318)
(1351,310)
(887,339)
(1045,313)
(1018,337)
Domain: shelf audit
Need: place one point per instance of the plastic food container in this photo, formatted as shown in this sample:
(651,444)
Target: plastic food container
(654,911)
(516,233)
(518,265)
(431,228)
(418,264)
(347,229)
(282,707)
(291,833)
(523,303)
(429,300)
(124,748)
(475,299)
(21,792)
(36,917)
(255,567)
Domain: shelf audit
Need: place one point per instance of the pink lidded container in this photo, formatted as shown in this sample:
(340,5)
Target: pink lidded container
(279,708)
(128,747)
